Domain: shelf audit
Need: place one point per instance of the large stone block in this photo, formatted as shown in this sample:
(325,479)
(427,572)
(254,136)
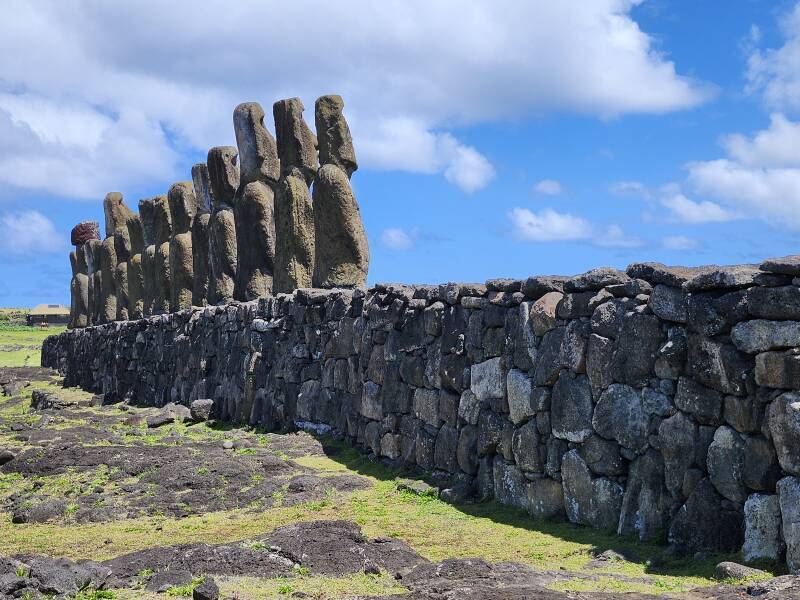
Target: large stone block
(778,369)
(760,335)
(486,379)
(587,501)
(784,426)
(646,503)
(619,415)
(571,408)
(789,498)
(762,528)
(726,464)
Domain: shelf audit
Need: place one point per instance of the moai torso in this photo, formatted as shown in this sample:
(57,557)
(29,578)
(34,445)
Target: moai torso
(342,251)
(116,248)
(224,178)
(294,215)
(254,208)
(80,308)
(182,207)
(200,266)
(162,289)
(147,217)
(135,268)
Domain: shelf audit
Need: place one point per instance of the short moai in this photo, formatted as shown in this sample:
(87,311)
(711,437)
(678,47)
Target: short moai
(147,216)
(93,253)
(80,307)
(116,214)
(182,209)
(254,208)
(223,174)
(135,268)
(162,276)
(294,214)
(342,252)
(200,266)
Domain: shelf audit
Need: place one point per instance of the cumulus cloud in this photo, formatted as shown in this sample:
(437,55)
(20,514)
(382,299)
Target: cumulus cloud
(29,233)
(396,239)
(679,242)
(548,187)
(122,91)
(548,225)
(685,210)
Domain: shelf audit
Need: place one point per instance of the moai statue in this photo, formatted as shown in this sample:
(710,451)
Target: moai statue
(93,252)
(162,276)
(200,264)
(147,216)
(135,267)
(342,251)
(122,247)
(80,307)
(116,215)
(223,174)
(254,209)
(182,208)
(294,215)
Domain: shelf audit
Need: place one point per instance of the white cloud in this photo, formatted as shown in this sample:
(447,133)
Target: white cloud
(396,239)
(685,210)
(547,225)
(776,72)
(30,233)
(118,94)
(679,242)
(777,146)
(548,187)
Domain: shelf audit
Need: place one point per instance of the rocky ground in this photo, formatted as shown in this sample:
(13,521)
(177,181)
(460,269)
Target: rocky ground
(121,502)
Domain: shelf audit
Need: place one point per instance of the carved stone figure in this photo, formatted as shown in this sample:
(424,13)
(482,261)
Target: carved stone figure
(135,268)
(114,300)
(147,216)
(342,251)
(294,215)
(200,261)
(182,208)
(80,307)
(93,253)
(223,175)
(162,288)
(255,202)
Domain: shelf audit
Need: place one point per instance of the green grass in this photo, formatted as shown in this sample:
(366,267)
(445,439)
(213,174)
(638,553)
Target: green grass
(20,345)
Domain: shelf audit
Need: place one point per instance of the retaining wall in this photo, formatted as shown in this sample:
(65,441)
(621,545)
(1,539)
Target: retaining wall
(656,403)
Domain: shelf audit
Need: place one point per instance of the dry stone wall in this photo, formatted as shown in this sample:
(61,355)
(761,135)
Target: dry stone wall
(662,402)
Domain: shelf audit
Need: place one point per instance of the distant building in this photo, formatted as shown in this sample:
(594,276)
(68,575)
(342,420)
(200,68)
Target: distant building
(53,314)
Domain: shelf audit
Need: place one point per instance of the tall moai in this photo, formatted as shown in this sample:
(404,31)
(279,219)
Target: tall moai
(182,208)
(135,267)
(254,208)
(294,214)
(147,216)
(162,277)
(116,214)
(342,252)
(122,247)
(200,265)
(80,307)
(223,174)
(93,251)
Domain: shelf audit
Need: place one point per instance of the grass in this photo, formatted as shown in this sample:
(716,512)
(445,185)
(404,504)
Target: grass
(20,345)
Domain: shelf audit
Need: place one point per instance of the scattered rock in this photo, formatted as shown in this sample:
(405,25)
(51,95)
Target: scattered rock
(731,570)
(208,590)
(200,410)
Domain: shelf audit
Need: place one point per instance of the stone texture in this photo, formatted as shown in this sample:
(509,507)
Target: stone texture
(784,426)
(223,175)
(333,134)
(778,369)
(162,287)
(777,303)
(668,303)
(294,234)
(256,240)
(646,503)
(677,436)
(702,402)
(760,335)
(543,312)
(84,231)
(587,501)
(487,379)
(341,256)
(521,397)
(296,143)
(147,217)
(762,528)
(223,255)
(723,278)
(182,208)
(785,265)
(619,415)
(789,499)
(571,408)
(726,464)
(701,524)
(258,152)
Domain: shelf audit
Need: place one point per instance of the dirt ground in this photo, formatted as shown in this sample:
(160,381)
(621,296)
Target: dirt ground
(123,502)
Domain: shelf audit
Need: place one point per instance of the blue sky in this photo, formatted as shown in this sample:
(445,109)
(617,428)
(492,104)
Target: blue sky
(495,139)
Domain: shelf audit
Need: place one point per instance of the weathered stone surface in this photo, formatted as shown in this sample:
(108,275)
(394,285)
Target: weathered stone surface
(785,265)
(742,413)
(731,570)
(656,273)
(537,286)
(80,310)
(762,528)
(677,436)
(619,415)
(147,217)
(714,313)
(702,524)
(525,445)
(162,288)
(571,408)
(784,426)
(467,450)
(646,503)
(223,256)
(201,261)
(135,267)
(84,231)
(258,152)
(761,469)
(593,502)
(702,402)
(333,134)
(774,302)
(760,335)
(543,313)
(726,464)
(255,240)
(341,249)
(778,369)
(718,365)
(668,303)
(723,278)
(789,499)
(182,208)
(546,499)
(548,358)
(297,146)
(294,234)
(487,379)
(223,175)
(521,398)
(510,485)
(635,354)
(201,408)
(594,280)
(444,456)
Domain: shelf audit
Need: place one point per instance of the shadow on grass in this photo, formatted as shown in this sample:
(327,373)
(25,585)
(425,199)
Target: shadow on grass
(654,558)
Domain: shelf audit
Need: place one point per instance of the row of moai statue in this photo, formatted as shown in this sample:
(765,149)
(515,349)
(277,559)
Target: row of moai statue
(245,226)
